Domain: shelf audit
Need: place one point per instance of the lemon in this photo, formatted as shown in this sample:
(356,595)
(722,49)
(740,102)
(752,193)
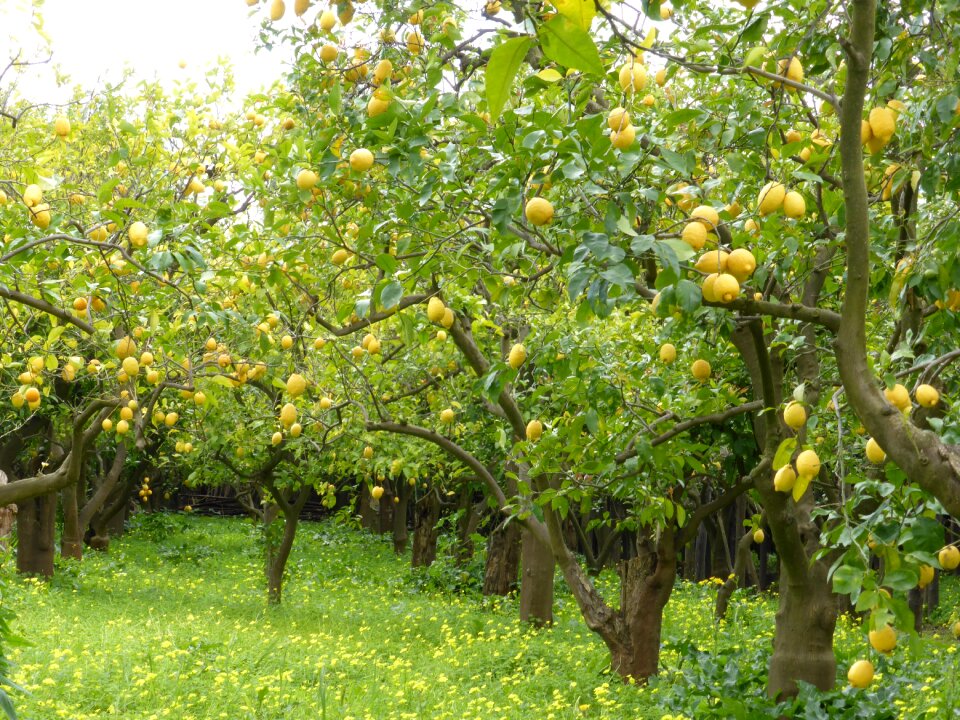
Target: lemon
(694,234)
(794,206)
(296,385)
(771,198)
(784,479)
(517,356)
(539,211)
(860,674)
(794,415)
(883,640)
(361,160)
(668,353)
(949,558)
(898,396)
(534,430)
(435,309)
(927,396)
(741,264)
(874,452)
(726,288)
(701,369)
(447,416)
(808,464)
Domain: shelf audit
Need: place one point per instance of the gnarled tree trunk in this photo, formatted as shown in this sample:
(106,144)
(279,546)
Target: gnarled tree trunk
(36,525)
(279,553)
(503,560)
(425,532)
(400,509)
(536,580)
(71,541)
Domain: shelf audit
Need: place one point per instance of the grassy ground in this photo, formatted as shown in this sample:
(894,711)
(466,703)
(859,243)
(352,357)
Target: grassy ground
(172,624)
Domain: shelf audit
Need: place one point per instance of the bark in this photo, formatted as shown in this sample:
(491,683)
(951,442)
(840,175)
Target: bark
(503,560)
(803,638)
(278,555)
(71,541)
(104,489)
(921,454)
(425,532)
(400,510)
(743,561)
(536,581)
(646,582)
(36,525)
(369,509)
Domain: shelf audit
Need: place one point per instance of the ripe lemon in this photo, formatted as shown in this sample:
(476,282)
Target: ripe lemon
(61,126)
(277,9)
(794,415)
(277,438)
(926,576)
(435,309)
(534,430)
(701,369)
(874,452)
(618,119)
(707,287)
(695,235)
(860,674)
(624,138)
(771,198)
(668,353)
(713,261)
(898,396)
(32,196)
(340,256)
(949,558)
(741,264)
(295,430)
(539,211)
(361,160)
(883,124)
(794,206)
(296,385)
(792,69)
(368,452)
(328,20)
(808,464)
(707,215)
(376,492)
(306,179)
(726,288)
(107,424)
(632,77)
(31,395)
(784,479)
(40,216)
(288,414)
(883,640)
(447,416)
(448,318)
(517,356)
(758,536)
(328,53)
(927,396)
(125,348)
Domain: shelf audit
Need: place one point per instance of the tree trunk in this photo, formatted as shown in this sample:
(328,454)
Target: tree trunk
(803,639)
(278,555)
(742,566)
(503,560)
(400,508)
(369,509)
(104,489)
(646,582)
(425,532)
(71,541)
(36,525)
(536,584)
(467,524)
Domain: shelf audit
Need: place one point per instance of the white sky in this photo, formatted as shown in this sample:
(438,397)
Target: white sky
(93,40)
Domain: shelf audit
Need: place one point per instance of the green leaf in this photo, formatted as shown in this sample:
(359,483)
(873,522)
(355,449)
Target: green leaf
(847,580)
(391,294)
(784,453)
(502,69)
(579,12)
(569,45)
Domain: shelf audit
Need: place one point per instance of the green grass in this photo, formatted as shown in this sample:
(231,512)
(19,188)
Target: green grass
(172,623)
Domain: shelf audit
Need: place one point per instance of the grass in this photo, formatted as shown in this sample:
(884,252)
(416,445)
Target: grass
(172,624)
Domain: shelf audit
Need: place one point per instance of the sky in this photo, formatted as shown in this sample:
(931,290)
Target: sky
(93,40)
